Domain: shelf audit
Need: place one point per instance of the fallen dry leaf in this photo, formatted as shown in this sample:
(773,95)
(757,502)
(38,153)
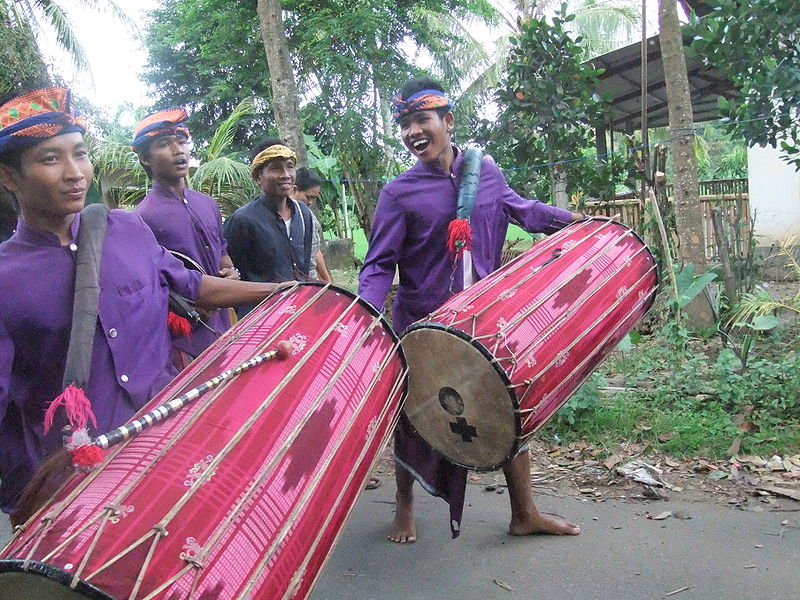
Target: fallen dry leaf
(665,437)
(735,447)
(503,585)
(660,516)
(778,491)
(612,461)
(756,461)
(679,590)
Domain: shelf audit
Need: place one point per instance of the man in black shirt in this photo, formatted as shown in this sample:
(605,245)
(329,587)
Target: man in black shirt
(269,238)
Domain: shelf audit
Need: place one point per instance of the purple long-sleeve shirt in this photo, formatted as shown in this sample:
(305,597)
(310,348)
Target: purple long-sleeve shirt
(131,352)
(409,231)
(192,225)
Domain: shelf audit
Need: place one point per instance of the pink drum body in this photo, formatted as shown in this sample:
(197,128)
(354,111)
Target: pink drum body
(498,359)
(241,494)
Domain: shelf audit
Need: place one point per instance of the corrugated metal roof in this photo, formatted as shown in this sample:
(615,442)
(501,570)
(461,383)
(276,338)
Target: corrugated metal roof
(622,80)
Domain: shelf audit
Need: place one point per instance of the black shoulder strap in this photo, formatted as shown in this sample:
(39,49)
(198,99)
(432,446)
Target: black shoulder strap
(91,237)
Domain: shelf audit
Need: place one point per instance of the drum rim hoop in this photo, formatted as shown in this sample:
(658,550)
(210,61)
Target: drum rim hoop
(17,565)
(652,298)
(372,310)
(503,376)
(656,271)
(188,261)
(384,323)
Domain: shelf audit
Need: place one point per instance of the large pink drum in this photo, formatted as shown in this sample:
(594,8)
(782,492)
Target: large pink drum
(497,360)
(241,494)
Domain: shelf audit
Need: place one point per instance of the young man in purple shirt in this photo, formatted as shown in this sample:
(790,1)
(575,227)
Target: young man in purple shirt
(44,162)
(410,232)
(183,220)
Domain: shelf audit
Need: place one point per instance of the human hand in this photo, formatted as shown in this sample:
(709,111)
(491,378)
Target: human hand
(229,273)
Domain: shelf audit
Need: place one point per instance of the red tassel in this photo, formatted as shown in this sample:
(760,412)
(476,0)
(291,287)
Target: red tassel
(178,325)
(459,237)
(85,454)
(87,457)
(77,405)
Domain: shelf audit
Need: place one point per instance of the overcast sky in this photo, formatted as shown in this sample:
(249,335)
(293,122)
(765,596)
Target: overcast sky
(115,54)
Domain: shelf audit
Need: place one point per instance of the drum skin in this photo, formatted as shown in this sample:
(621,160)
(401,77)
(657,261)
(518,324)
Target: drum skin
(241,494)
(498,359)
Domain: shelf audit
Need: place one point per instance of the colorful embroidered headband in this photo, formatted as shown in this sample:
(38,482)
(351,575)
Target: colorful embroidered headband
(163,122)
(270,153)
(422,100)
(36,116)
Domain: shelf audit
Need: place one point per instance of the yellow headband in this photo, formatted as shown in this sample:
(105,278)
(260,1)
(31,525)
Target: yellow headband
(271,153)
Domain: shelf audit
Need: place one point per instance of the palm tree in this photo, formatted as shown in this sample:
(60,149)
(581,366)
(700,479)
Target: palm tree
(223,176)
(602,25)
(760,303)
(37,16)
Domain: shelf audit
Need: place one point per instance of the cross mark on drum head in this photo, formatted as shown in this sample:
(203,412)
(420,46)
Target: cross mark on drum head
(451,401)
(464,429)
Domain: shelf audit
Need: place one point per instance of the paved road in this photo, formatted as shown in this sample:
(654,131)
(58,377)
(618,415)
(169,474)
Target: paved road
(719,553)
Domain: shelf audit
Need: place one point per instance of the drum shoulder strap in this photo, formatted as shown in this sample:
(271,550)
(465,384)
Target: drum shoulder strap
(91,238)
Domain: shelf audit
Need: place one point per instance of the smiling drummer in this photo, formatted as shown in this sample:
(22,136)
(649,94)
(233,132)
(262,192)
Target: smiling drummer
(44,162)
(410,232)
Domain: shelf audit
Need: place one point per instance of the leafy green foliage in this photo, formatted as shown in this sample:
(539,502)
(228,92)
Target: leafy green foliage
(690,285)
(550,111)
(582,402)
(22,65)
(208,55)
(222,176)
(37,16)
(688,401)
(756,44)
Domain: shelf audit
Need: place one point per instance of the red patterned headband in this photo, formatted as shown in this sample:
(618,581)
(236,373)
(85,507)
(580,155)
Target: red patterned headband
(36,116)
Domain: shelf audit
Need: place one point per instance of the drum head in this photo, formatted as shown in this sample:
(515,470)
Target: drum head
(458,400)
(40,581)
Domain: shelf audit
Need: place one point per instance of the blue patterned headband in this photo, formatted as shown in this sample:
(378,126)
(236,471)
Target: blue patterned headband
(422,100)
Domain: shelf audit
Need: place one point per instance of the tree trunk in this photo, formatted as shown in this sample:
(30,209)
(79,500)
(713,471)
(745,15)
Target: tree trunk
(284,91)
(688,215)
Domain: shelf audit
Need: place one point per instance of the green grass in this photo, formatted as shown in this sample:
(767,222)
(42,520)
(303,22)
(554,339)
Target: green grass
(679,431)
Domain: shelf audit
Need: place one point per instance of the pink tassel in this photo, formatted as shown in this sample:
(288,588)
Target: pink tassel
(459,237)
(77,405)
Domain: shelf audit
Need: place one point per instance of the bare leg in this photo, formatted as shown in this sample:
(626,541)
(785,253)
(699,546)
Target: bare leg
(525,517)
(404,529)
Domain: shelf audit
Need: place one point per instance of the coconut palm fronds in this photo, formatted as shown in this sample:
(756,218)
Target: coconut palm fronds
(226,180)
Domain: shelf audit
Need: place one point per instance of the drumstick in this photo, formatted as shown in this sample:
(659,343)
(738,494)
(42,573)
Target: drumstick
(120,434)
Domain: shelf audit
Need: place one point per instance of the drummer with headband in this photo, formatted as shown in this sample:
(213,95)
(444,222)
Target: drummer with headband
(412,228)
(183,220)
(44,162)
(270,237)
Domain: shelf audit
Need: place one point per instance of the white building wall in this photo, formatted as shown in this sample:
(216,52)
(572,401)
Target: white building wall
(774,190)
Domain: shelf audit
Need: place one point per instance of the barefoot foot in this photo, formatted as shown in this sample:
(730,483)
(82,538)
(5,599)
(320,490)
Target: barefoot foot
(543,524)
(404,528)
